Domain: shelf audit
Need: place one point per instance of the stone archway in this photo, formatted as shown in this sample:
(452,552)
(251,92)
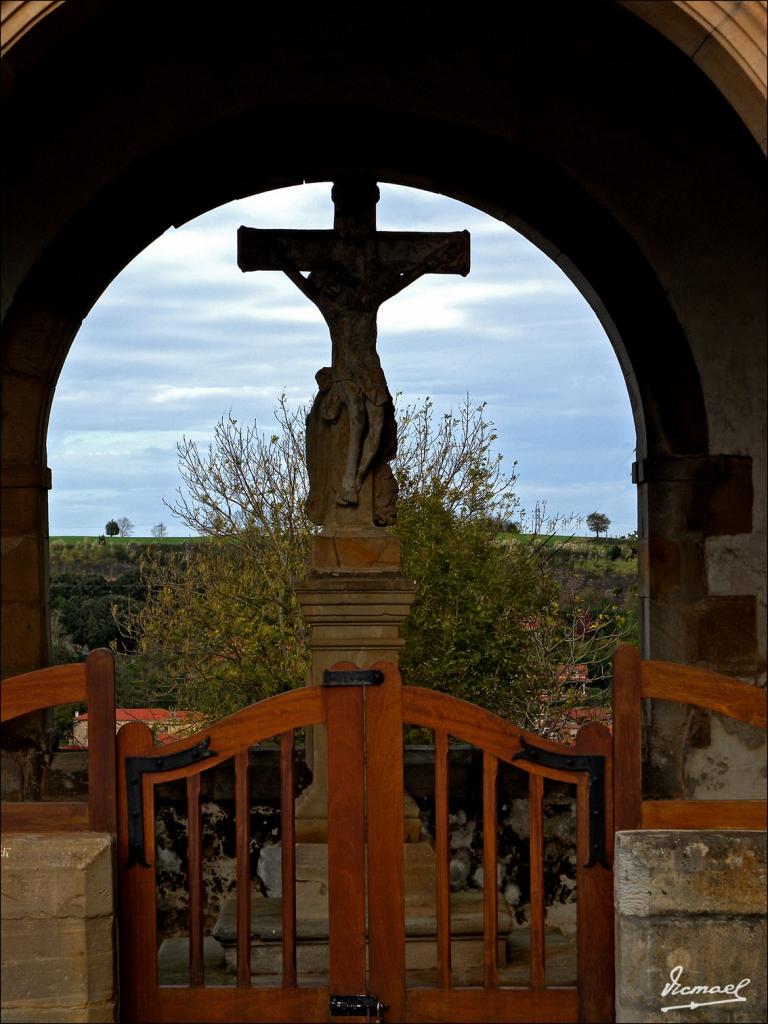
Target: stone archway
(118,129)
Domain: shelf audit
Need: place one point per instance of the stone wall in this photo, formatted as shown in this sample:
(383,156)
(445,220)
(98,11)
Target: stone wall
(690,911)
(58,928)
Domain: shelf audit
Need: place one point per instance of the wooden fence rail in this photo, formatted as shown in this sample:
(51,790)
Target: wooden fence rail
(92,683)
(635,680)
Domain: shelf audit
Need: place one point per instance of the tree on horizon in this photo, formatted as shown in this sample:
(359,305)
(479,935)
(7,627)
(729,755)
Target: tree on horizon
(599,522)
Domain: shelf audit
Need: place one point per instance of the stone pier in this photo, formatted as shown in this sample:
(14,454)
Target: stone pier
(690,906)
(58,928)
(354,600)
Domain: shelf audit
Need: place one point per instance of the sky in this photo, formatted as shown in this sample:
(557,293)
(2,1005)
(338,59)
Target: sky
(182,337)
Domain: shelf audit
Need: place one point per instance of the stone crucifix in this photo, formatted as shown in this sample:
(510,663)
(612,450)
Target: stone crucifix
(348,273)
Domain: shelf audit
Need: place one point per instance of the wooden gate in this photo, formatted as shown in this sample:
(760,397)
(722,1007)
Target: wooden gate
(366,910)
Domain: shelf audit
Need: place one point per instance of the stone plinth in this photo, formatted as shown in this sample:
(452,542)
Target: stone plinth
(354,601)
(58,953)
(692,903)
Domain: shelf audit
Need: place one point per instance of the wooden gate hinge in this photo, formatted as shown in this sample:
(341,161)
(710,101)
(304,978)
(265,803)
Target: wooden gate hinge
(594,765)
(135,767)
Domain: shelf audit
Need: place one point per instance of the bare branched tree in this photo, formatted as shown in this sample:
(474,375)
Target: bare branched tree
(125,526)
(486,624)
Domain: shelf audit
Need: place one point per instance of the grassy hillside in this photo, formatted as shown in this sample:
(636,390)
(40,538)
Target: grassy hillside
(91,579)
(120,541)
(108,557)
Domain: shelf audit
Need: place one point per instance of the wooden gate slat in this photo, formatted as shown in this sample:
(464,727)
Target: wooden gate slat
(442,839)
(195,871)
(288,857)
(243,853)
(137,907)
(628,738)
(102,777)
(386,860)
(490,899)
(536,832)
(346,839)
(594,891)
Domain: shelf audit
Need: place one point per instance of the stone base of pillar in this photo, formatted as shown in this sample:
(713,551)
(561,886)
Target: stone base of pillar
(354,600)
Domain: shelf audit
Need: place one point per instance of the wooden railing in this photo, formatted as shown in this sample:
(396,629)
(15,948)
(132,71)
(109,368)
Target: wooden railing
(633,680)
(92,683)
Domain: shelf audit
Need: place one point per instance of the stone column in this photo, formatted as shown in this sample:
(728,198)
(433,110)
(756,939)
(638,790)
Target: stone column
(25,643)
(702,604)
(354,600)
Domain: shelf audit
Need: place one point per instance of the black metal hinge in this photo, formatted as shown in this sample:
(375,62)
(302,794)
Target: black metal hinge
(134,769)
(353,677)
(594,765)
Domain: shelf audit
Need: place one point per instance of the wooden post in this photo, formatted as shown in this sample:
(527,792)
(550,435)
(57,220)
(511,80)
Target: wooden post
(102,781)
(137,914)
(386,861)
(346,840)
(627,739)
(594,893)
(442,855)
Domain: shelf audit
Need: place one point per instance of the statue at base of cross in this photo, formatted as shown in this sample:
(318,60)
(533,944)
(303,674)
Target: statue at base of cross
(351,438)
(352,270)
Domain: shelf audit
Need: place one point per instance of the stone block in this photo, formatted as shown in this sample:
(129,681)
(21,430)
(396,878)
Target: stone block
(731,767)
(21,567)
(690,908)
(94,1013)
(723,498)
(11,776)
(57,962)
(727,635)
(23,398)
(26,648)
(23,509)
(65,776)
(691,873)
(353,552)
(663,564)
(712,950)
(58,875)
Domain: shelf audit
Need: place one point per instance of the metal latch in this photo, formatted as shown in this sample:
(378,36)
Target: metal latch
(357,1006)
(353,677)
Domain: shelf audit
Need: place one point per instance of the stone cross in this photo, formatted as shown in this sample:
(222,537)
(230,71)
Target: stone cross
(348,273)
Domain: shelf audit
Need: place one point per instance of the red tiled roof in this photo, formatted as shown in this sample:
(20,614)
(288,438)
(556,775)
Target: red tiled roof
(145,715)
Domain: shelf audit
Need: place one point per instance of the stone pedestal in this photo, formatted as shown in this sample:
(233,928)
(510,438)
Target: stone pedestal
(354,600)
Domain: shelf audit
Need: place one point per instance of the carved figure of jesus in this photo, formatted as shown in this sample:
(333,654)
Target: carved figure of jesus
(352,271)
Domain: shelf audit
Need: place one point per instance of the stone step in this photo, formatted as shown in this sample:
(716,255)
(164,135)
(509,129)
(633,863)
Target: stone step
(421,961)
(173,962)
(312,935)
(312,922)
(312,870)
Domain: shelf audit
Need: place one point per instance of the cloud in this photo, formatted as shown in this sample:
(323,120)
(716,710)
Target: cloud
(182,336)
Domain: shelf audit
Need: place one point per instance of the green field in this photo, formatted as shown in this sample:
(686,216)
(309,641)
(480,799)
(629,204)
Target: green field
(124,540)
